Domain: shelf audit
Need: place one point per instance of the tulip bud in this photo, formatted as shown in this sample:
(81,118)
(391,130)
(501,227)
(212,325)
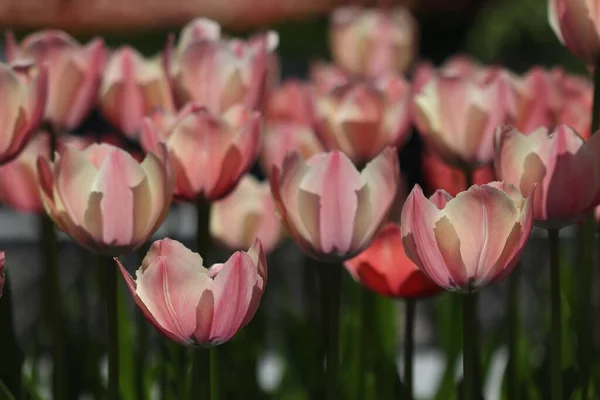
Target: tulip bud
(326,77)
(385,269)
(23,89)
(559,160)
(331,210)
(361,119)
(469,241)
(193,305)
(538,99)
(103,198)
(372,42)
(245,214)
(132,88)
(290,102)
(74,72)
(211,153)
(575,23)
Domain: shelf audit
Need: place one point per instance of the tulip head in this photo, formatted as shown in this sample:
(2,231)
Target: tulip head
(385,269)
(103,198)
(326,77)
(538,99)
(290,102)
(193,305)
(245,214)
(330,209)
(566,168)
(466,242)
(371,42)
(211,153)
(133,87)
(74,72)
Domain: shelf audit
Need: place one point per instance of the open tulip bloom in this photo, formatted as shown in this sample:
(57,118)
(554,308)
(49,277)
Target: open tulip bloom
(466,242)
(193,305)
(329,208)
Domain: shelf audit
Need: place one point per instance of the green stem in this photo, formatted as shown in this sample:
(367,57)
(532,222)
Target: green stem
(214,376)
(556,391)
(470,366)
(112,329)
(141,329)
(202,225)
(366,309)
(12,356)
(201,375)
(332,289)
(409,345)
(512,390)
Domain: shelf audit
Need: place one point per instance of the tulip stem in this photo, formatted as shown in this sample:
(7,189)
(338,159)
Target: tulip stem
(556,391)
(409,328)
(11,366)
(332,287)
(201,375)
(512,391)
(113,330)
(202,225)
(469,304)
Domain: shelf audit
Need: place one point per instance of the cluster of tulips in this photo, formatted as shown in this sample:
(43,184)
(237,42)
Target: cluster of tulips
(207,108)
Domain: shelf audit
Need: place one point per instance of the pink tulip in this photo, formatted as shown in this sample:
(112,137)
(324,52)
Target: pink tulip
(385,269)
(290,102)
(193,305)
(132,88)
(2,274)
(466,242)
(566,168)
(211,153)
(198,29)
(103,198)
(326,77)
(245,214)
(575,23)
(363,118)
(74,72)
(457,115)
(538,100)
(23,88)
(218,74)
(371,42)
(576,98)
(330,209)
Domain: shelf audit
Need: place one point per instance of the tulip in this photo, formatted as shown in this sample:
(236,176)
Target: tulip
(193,305)
(361,119)
(330,209)
(245,214)
(282,137)
(439,175)
(457,116)
(198,29)
(74,72)
(575,23)
(211,153)
(385,269)
(218,74)
(103,198)
(559,160)
(24,90)
(371,42)
(466,242)
(2,274)
(538,99)
(133,87)
(576,98)
(290,102)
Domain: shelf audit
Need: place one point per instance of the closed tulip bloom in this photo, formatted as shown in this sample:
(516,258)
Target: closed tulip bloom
(193,305)
(566,168)
(103,198)
(575,23)
(2,274)
(23,88)
(133,87)
(74,72)
(290,102)
(198,29)
(363,118)
(330,209)
(18,179)
(327,76)
(245,214)
(466,242)
(385,269)
(457,116)
(211,153)
(282,137)
(371,42)
(538,99)
(576,98)
(439,175)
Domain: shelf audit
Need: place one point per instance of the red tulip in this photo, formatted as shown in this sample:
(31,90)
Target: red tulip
(211,153)
(566,168)
(385,269)
(575,23)
(471,240)
(331,210)
(193,305)
(103,198)
(362,118)
(74,72)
